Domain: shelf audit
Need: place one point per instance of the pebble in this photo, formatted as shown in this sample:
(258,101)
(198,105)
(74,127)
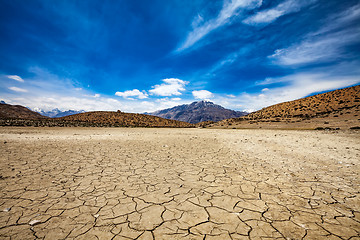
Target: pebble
(34,222)
(6,209)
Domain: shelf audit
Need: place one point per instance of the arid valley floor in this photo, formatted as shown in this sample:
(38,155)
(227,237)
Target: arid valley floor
(139,183)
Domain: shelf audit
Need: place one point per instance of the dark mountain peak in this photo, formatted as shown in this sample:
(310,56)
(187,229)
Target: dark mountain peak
(198,112)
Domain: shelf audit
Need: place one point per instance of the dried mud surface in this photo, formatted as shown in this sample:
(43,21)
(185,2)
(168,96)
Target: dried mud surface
(91,183)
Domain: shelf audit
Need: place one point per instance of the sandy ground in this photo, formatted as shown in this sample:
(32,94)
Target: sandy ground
(105,183)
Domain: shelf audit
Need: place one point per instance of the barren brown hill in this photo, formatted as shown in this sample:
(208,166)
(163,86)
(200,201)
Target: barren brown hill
(123,119)
(335,109)
(8,111)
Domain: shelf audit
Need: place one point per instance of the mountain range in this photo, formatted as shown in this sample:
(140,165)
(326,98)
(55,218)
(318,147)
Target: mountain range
(331,110)
(197,112)
(56,113)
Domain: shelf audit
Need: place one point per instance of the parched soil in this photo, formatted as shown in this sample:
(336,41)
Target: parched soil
(106,183)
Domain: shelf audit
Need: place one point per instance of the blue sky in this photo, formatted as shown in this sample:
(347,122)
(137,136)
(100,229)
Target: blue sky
(139,55)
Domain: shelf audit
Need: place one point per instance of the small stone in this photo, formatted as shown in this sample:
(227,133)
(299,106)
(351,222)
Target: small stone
(6,209)
(96,215)
(34,222)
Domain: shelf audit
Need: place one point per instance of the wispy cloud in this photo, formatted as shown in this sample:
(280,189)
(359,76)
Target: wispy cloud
(270,15)
(229,9)
(15,77)
(340,20)
(16,89)
(132,93)
(318,49)
(171,86)
(202,94)
(327,44)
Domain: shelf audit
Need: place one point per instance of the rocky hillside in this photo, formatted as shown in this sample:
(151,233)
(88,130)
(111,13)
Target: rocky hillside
(339,108)
(197,112)
(8,111)
(120,119)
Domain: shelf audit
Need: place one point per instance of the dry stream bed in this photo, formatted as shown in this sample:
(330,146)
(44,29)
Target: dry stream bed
(122,183)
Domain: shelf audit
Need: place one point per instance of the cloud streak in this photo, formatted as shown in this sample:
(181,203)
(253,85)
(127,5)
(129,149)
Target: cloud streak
(328,44)
(229,9)
(323,48)
(15,77)
(17,89)
(270,15)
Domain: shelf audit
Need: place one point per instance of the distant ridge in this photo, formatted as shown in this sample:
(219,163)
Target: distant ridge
(197,112)
(8,111)
(327,110)
(56,113)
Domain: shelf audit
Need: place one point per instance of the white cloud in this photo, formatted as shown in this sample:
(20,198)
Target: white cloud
(270,15)
(324,48)
(16,78)
(16,89)
(171,86)
(229,9)
(326,44)
(48,91)
(132,93)
(202,94)
(340,20)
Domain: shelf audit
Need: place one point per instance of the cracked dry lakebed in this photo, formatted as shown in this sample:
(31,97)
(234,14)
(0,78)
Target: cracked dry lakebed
(133,183)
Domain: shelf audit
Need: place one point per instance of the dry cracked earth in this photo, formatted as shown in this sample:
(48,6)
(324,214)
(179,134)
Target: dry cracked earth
(104,183)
